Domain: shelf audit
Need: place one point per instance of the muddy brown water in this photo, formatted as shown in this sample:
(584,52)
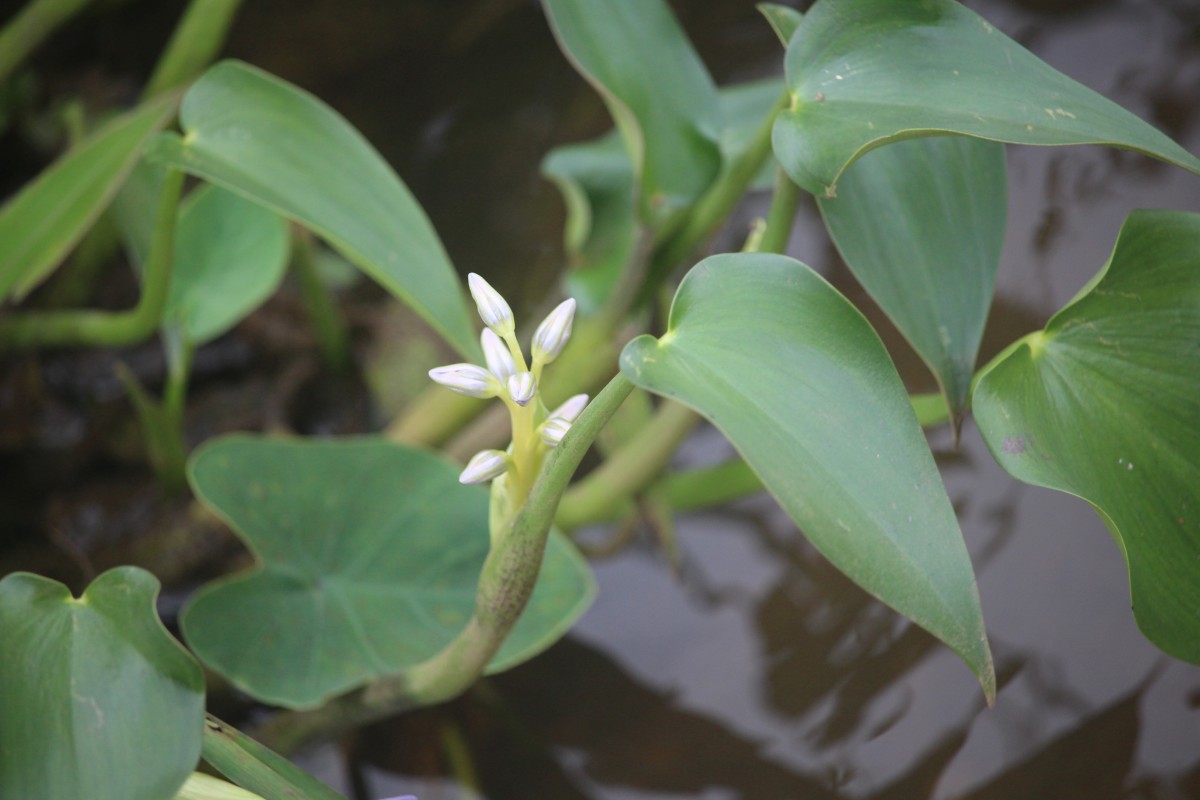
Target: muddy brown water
(755,670)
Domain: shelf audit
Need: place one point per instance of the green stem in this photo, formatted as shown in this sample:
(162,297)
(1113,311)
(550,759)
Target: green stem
(630,470)
(256,768)
(194,44)
(779,218)
(179,366)
(433,417)
(707,487)
(323,312)
(630,283)
(110,329)
(714,206)
(36,21)
(507,581)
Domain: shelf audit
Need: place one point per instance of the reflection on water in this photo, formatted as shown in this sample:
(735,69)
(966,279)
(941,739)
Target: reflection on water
(761,672)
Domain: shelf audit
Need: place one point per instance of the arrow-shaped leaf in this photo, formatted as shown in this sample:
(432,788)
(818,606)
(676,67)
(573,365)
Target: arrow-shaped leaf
(796,378)
(1105,404)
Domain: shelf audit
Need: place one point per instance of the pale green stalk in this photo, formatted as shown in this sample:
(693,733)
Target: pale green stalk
(323,313)
(103,328)
(630,470)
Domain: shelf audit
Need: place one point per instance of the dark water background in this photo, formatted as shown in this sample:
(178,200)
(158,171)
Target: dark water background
(756,670)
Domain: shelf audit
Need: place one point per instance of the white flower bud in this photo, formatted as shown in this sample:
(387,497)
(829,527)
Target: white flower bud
(553,430)
(521,388)
(571,409)
(483,466)
(493,309)
(552,334)
(499,359)
(467,379)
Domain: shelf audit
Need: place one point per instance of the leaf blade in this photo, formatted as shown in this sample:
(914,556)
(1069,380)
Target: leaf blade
(100,701)
(921,225)
(756,339)
(47,218)
(1103,404)
(670,125)
(853,64)
(270,141)
(360,575)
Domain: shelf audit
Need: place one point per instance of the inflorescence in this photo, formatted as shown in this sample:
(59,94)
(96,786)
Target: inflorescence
(509,377)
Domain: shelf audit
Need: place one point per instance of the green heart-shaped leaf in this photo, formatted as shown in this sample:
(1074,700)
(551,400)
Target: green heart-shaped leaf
(659,93)
(866,72)
(1105,404)
(41,224)
(921,224)
(369,558)
(278,145)
(796,378)
(230,256)
(98,700)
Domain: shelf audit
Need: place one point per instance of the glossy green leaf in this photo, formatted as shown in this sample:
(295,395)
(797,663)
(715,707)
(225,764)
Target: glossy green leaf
(279,146)
(783,19)
(670,123)
(369,554)
(98,700)
(230,256)
(921,225)
(798,381)
(866,72)
(596,182)
(1105,404)
(44,221)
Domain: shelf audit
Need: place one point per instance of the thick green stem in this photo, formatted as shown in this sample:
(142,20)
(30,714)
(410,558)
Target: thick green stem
(710,486)
(779,218)
(109,329)
(509,575)
(195,43)
(28,29)
(323,312)
(629,285)
(713,208)
(630,470)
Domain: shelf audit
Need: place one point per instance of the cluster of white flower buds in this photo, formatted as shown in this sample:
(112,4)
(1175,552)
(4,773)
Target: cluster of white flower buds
(508,378)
